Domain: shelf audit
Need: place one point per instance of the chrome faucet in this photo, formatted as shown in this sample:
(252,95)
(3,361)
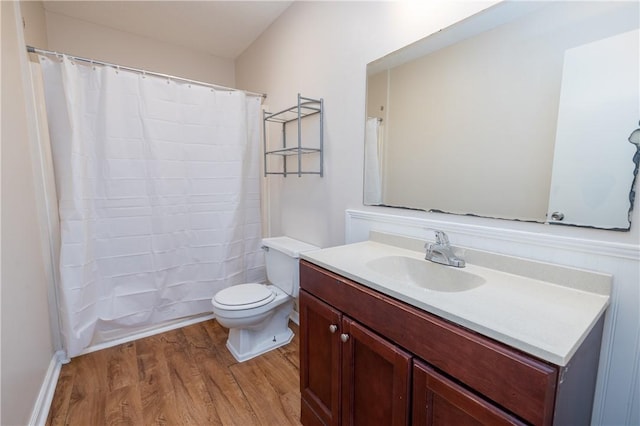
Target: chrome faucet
(441,252)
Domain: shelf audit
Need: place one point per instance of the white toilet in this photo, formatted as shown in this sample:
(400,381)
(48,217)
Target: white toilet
(257,315)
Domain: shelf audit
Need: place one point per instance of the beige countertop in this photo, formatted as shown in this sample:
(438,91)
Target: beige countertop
(542,309)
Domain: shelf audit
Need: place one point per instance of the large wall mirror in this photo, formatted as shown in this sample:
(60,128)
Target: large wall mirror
(527,111)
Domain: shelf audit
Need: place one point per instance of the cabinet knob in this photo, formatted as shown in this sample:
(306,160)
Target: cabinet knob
(344,337)
(333,328)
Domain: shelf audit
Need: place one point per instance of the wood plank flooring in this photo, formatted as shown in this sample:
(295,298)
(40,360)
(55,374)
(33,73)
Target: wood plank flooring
(181,377)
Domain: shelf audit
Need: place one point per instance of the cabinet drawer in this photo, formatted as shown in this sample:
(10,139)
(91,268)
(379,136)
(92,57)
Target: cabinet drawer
(521,384)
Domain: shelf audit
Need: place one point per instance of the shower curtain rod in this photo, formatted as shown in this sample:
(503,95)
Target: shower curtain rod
(31,49)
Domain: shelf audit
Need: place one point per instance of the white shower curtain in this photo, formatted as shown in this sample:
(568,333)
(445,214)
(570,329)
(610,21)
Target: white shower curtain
(158,189)
(372,162)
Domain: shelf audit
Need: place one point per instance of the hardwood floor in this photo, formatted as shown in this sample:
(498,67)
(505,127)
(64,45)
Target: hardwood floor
(181,377)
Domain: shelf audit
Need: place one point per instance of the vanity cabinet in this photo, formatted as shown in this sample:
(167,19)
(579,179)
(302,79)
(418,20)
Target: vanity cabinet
(457,376)
(348,374)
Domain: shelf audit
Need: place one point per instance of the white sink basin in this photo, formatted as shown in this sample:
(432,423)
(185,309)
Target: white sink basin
(425,274)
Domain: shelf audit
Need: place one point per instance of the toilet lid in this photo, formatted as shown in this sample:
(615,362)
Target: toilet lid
(244,296)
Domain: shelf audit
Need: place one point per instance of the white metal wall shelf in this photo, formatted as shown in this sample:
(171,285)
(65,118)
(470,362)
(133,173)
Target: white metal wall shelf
(305,107)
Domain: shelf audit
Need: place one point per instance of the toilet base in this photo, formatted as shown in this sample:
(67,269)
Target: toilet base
(261,348)
(249,342)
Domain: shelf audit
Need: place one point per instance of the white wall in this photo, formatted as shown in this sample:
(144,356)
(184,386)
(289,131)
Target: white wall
(88,40)
(321,49)
(27,347)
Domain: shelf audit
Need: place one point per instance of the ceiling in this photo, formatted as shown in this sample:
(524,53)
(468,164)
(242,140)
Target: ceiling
(221,28)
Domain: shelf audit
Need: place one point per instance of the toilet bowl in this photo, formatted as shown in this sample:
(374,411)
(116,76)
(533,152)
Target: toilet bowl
(257,315)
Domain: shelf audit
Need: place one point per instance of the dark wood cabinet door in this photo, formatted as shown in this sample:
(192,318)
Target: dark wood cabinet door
(439,401)
(320,355)
(375,379)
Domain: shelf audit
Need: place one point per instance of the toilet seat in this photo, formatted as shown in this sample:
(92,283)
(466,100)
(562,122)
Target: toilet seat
(243,296)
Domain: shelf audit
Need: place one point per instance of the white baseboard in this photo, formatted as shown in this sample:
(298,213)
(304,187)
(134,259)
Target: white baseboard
(42,405)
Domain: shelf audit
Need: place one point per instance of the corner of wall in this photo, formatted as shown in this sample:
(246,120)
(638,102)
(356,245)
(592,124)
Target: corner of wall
(34,24)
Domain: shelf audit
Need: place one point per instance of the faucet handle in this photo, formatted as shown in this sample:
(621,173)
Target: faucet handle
(441,237)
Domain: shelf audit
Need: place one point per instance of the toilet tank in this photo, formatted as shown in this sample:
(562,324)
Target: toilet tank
(281,261)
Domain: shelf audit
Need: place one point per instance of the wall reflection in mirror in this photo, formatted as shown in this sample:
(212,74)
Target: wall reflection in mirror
(527,111)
